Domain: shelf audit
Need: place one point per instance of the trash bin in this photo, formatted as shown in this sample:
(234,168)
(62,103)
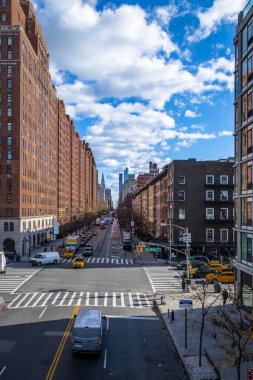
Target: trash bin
(217,287)
(17,257)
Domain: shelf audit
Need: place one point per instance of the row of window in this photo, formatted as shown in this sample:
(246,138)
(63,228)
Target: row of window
(3,3)
(9,55)
(8,156)
(209,214)
(9,84)
(43,223)
(209,195)
(8,140)
(8,169)
(209,180)
(210,235)
(8,226)
(9,69)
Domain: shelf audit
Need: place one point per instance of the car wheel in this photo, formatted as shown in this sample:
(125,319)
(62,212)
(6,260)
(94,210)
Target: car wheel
(55,262)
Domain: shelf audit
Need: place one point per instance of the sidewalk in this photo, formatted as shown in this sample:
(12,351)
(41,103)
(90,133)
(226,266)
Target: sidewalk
(211,350)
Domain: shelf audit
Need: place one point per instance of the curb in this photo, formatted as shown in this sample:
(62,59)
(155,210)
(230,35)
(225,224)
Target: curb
(173,340)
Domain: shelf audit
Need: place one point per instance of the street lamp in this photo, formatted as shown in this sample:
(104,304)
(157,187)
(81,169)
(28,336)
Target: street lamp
(186,237)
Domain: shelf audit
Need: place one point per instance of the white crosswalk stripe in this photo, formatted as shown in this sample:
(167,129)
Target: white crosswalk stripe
(96,299)
(163,279)
(15,277)
(103,260)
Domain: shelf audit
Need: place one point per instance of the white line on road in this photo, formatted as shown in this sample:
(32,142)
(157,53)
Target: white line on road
(105,359)
(107,324)
(26,295)
(56,298)
(3,369)
(96,299)
(38,300)
(42,312)
(63,299)
(114,300)
(130,299)
(45,302)
(28,278)
(122,300)
(79,299)
(87,299)
(105,299)
(15,299)
(132,317)
(71,299)
(30,300)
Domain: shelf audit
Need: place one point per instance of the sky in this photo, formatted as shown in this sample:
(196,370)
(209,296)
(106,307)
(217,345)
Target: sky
(145,80)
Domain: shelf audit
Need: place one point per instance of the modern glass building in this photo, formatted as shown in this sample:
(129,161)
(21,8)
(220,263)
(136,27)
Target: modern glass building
(243,195)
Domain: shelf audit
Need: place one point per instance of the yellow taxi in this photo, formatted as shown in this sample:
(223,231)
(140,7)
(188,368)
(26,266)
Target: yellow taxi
(68,254)
(213,262)
(94,233)
(218,267)
(79,262)
(225,277)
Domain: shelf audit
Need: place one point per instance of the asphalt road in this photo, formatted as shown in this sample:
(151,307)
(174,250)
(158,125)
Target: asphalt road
(34,327)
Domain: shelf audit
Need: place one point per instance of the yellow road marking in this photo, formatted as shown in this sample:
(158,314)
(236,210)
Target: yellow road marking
(58,354)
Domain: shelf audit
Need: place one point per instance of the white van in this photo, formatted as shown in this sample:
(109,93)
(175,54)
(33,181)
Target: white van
(45,258)
(87,332)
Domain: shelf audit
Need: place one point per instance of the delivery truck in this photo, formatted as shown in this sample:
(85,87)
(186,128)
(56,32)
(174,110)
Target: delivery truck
(2,263)
(73,243)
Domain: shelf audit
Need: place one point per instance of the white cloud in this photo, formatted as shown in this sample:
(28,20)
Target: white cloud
(191,114)
(225,133)
(210,19)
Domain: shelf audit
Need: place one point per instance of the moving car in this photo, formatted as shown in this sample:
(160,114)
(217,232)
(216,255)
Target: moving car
(199,258)
(68,253)
(225,277)
(79,262)
(202,272)
(45,258)
(88,250)
(193,263)
(87,331)
(218,267)
(127,244)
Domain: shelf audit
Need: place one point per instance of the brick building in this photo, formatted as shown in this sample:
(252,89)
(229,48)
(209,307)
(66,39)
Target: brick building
(43,161)
(193,194)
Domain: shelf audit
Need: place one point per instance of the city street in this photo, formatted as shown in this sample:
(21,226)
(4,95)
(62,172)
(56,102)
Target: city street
(41,303)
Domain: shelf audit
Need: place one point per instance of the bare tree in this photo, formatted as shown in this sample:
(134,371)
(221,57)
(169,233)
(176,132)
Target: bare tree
(234,331)
(206,301)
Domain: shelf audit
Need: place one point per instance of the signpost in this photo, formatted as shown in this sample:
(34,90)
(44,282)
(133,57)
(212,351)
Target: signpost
(153,249)
(185,304)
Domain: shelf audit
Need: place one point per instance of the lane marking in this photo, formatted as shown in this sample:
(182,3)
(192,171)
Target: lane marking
(63,299)
(42,312)
(87,299)
(56,298)
(133,317)
(27,294)
(58,354)
(3,369)
(28,278)
(30,300)
(122,299)
(96,299)
(72,299)
(105,299)
(114,300)
(79,299)
(107,323)
(13,301)
(105,359)
(38,300)
(130,299)
(45,302)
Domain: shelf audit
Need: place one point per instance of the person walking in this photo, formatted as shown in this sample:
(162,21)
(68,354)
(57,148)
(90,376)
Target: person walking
(224,296)
(183,284)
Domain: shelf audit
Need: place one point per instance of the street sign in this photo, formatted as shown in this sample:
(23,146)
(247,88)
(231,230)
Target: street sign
(185,304)
(132,223)
(187,238)
(250,373)
(153,249)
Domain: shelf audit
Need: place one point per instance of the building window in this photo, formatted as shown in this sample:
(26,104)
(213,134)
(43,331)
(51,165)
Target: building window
(9,212)
(9,112)
(11,226)
(9,127)
(3,17)
(209,179)
(224,195)
(181,196)
(9,98)
(244,40)
(9,141)
(9,42)
(210,213)
(9,155)
(244,73)
(246,248)
(8,169)
(3,3)
(6,226)
(223,235)
(10,56)
(224,213)
(181,214)
(9,184)
(181,180)
(244,107)
(9,84)
(9,71)
(24,226)
(209,235)
(223,179)
(8,198)
(210,195)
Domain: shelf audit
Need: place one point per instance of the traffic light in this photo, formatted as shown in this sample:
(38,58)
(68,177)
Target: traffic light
(139,249)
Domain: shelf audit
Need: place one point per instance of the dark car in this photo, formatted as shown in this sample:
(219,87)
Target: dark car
(127,244)
(88,250)
(200,258)
(194,263)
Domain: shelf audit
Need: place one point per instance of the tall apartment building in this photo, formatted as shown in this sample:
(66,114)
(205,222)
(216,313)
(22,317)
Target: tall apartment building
(120,185)
(43,161)
(193,194)
(243,42)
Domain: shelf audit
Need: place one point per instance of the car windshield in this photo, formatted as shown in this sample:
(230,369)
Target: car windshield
(38,256)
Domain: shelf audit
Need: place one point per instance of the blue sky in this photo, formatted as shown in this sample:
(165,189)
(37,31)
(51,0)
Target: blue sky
(145,80)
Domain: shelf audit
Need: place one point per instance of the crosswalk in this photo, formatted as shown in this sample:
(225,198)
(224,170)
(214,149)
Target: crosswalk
(163,279)
(15,278)
(103,260)
(105,299)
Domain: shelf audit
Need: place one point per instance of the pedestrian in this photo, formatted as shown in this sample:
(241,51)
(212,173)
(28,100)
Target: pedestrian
(183,284)
(224,296)
(221,259)
(165,257)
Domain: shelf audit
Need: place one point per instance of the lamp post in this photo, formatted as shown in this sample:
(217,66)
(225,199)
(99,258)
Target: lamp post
(186,237)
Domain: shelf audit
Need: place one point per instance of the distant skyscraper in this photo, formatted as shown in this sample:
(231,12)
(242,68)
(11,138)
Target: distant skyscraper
(120,185)
(126,174)
(103,180)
